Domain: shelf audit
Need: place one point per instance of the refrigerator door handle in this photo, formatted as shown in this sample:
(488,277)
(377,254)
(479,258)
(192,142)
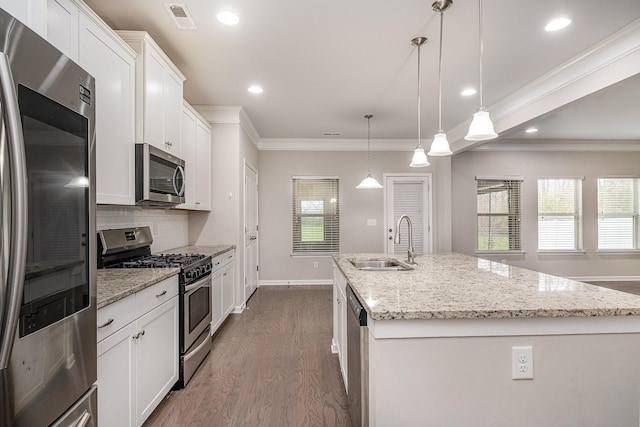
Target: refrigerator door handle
(18,237)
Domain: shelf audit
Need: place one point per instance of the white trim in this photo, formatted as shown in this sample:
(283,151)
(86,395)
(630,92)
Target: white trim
(284,282)
(614,252)
(581,178)
(381,329)
(333,144)
(334,346)
(239,308)
(311,255)
(560,145)
(247,125)
(219,114)
(500,177)
(605,278)
(505,252)
(553,252)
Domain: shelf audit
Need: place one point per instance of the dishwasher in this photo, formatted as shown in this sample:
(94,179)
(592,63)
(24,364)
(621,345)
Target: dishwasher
(357,361)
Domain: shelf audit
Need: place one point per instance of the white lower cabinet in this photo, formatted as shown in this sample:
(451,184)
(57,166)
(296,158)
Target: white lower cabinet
(138,362)
(222,288)
(340,319)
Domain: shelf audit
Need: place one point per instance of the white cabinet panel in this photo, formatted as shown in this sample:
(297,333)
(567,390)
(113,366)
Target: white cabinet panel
(116,368)
(32,13)
(159,86)
(203,167)
(340,319)
(196,152)
(113,66)
(63,26)
(188,130)
(217,315)
(156,357)
(228,287)
(222,288)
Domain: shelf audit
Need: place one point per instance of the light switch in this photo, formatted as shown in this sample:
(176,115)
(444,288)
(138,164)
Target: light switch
(371,222)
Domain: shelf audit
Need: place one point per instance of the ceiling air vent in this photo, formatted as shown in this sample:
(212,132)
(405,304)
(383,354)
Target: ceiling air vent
(181,16)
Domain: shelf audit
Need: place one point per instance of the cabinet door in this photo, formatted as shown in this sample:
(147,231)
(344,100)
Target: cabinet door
(116,371)
(114,70)
(189,155)
(228,287)
(156,356)
(62,26)
(172,105)
(154,73)
(203,167)
(217,315)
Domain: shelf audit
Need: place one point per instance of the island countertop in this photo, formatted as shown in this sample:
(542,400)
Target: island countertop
(456,286)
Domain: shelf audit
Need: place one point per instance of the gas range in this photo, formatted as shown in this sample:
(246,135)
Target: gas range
(131,248)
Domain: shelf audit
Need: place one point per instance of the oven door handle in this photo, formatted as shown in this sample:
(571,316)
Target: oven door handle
(198,284)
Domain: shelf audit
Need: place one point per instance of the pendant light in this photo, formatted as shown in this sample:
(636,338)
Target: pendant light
(481,128)
(440,145)
(369,182)
(419,158)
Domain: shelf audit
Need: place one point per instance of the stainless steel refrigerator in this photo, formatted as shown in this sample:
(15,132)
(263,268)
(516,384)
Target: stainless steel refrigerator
(47,246)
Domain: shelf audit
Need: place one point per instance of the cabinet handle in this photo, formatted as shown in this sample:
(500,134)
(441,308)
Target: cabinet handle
(218,263)
(161,293)
(105,324)
(230,256)
(224,274)
(138,335)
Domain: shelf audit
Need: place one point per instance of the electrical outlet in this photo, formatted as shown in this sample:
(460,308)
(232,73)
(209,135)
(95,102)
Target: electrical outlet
(371,222)
(522,363)
(315,264)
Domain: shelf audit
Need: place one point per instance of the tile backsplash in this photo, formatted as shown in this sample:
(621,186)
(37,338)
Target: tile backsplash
(169,228)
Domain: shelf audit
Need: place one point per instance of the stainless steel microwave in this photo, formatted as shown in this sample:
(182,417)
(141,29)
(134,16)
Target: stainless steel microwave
(160,178)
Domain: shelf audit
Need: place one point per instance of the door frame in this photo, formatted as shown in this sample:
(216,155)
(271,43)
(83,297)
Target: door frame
(428,178)
(249,166)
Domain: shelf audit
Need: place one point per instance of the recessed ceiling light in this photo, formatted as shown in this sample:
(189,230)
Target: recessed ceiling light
(228,17)
(557,24)
(531,130)
(255,89)
(468,91)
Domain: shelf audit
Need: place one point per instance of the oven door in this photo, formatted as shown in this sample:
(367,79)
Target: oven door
(196,304)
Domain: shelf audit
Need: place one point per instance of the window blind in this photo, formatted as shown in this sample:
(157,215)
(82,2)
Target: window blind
(560,213)
(499,214)
(316,215)
(618,213)
(408,199)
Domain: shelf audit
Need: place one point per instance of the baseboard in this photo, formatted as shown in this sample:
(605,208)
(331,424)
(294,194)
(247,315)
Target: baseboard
(295,282)
(334,346)
(239,308)
(607,278)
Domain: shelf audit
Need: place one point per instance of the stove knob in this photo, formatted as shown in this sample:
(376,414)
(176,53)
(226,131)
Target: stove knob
(208,268)
(189,275)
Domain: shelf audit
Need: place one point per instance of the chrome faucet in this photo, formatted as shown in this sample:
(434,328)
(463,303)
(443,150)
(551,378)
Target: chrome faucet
(411,256)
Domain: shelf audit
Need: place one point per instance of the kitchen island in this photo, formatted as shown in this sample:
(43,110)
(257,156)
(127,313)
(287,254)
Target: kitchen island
(441,338)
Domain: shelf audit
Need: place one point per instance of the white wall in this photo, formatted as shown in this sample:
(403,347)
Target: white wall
(356,206)
(531,165)
(169,227)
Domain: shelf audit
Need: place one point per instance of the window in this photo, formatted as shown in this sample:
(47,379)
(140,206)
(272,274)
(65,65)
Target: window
(498,204)
(560,214)
(316,215)
(618,213)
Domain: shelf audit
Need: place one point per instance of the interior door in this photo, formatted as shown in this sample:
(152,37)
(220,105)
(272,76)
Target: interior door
(408,195)
(250,230)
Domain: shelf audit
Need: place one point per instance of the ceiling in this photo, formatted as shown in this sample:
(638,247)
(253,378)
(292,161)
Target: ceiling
(324,64)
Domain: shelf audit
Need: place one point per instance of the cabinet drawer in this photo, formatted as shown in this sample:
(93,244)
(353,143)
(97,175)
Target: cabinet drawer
(151,297)
(222,259)
(113,317)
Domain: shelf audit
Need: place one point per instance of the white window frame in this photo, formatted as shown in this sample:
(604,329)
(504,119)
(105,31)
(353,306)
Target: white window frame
(516,217)
(301,249)
(577,214)
(634,216)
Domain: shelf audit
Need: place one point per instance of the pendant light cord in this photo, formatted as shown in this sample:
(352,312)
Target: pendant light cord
(440,76)
(419,139)
(369,143)
(481,48)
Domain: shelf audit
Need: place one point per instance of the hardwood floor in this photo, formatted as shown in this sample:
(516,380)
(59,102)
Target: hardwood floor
(269,366)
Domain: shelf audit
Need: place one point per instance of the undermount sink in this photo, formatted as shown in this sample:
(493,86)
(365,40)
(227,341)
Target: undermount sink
(379,265)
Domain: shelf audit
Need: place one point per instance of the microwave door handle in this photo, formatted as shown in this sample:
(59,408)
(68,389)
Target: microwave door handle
(13,287)
(180,170)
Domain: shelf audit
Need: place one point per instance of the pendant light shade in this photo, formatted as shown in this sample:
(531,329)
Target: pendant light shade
(419,158)
(481,128)
(440,144)
(369,182)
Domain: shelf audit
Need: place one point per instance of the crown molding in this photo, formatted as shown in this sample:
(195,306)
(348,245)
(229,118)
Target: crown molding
(229,115)
(324,144)
(611,60)
(560,145)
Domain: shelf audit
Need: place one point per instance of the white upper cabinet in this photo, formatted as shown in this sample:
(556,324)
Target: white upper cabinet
(112,63)
(32,13)
(63,27)
(158,94)
(196,152)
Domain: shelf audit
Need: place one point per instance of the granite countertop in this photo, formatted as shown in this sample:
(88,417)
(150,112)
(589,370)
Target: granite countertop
(114,284)
(456,286)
